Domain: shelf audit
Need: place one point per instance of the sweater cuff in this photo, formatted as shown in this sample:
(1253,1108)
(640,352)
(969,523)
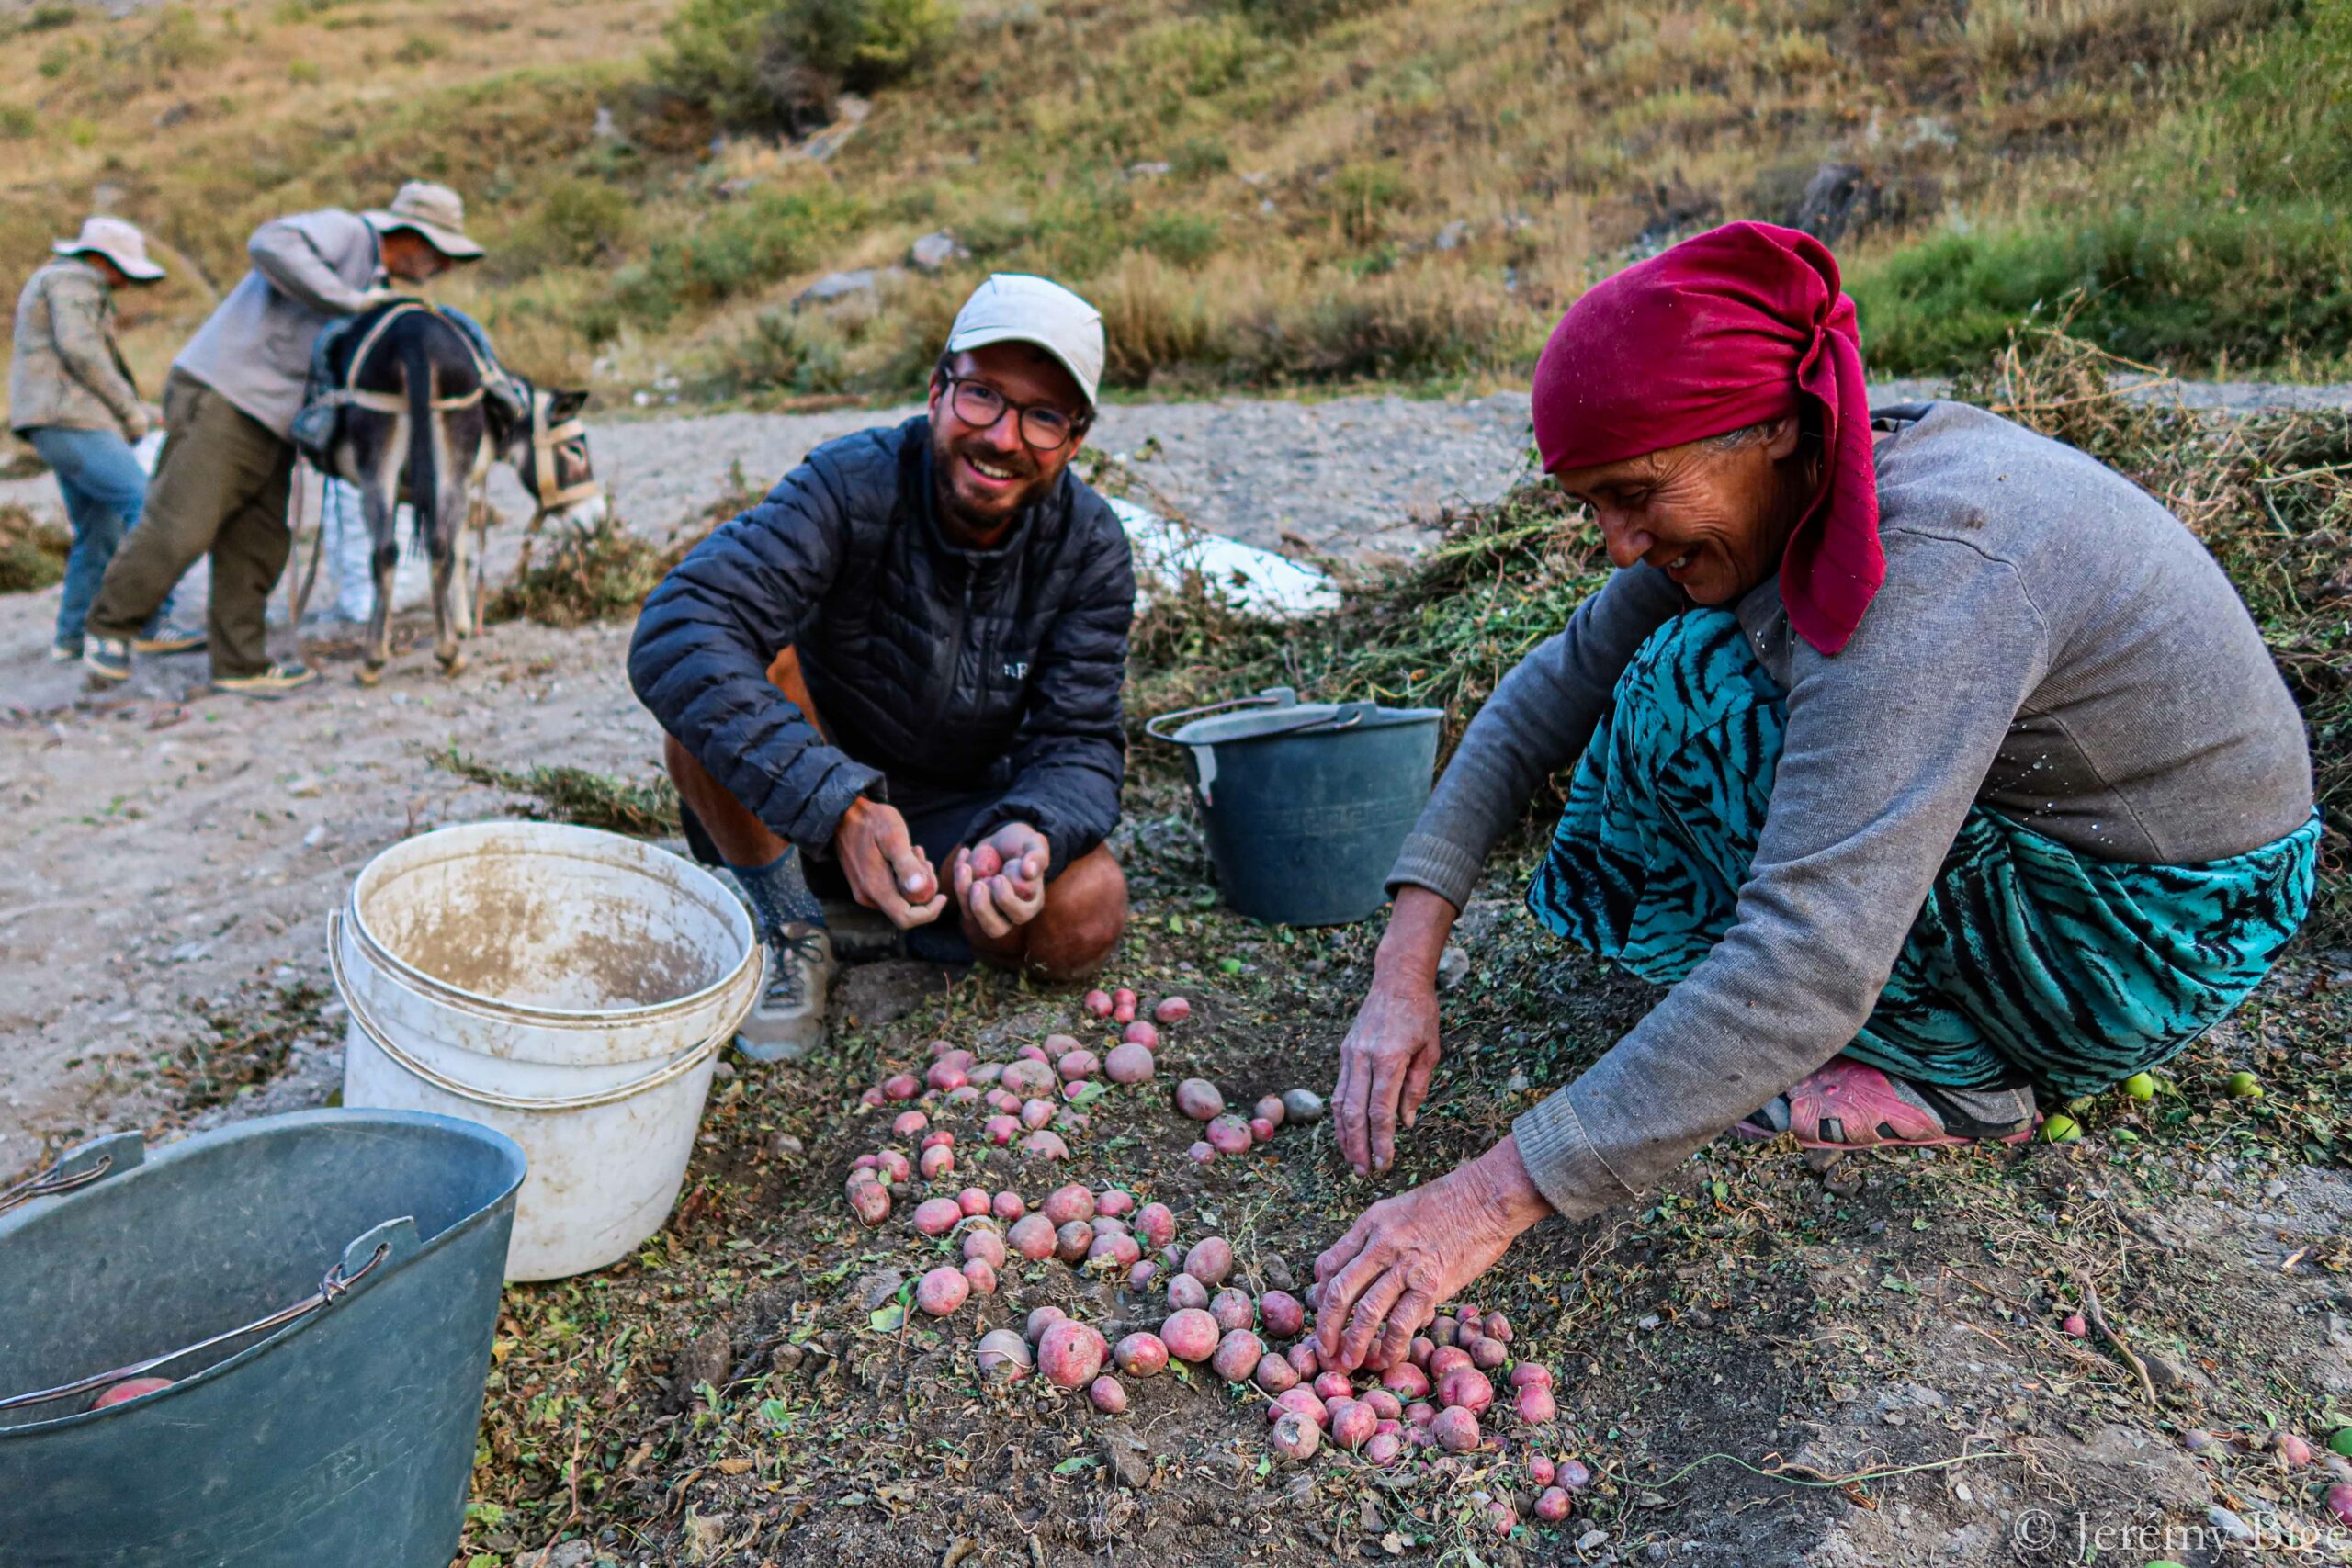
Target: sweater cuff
(1443,866)
(1561,1161)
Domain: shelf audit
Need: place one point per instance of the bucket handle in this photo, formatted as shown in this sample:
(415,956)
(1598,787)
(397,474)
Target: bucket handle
(676,1068)
(78,1166)
(1348,715)
(333,1287)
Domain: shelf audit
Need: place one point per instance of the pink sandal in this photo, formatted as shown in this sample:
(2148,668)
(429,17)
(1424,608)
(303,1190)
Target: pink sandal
(1850,1105)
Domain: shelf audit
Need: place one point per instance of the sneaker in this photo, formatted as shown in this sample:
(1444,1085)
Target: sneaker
(789,1017)
(65,653)
(106,658)
(169,639)
(271,683)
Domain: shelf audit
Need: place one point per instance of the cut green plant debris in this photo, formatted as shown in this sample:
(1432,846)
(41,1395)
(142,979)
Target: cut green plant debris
(562,794)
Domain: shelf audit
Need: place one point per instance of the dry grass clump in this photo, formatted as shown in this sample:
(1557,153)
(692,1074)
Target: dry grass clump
(32,552)
(564,793)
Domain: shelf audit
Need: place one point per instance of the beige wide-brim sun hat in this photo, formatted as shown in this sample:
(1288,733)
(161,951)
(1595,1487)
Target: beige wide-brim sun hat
(434,211)
(120,243)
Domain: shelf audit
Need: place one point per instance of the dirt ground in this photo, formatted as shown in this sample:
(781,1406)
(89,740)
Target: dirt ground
(1761,1364)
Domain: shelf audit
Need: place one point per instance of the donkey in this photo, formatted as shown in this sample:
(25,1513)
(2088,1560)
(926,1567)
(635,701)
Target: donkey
(425,413)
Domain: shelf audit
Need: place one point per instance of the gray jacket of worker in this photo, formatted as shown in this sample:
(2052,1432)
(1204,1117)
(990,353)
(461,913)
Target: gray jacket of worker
(66,371)
(256,348)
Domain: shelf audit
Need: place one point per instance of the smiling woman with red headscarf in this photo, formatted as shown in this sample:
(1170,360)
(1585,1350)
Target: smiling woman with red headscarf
(1930,765)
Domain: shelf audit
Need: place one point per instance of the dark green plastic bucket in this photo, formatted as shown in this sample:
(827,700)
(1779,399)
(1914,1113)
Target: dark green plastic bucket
(346,1264)
(1305,803)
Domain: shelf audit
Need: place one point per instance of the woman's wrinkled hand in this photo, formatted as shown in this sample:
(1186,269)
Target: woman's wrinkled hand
(1385,1066)
(1405,1256)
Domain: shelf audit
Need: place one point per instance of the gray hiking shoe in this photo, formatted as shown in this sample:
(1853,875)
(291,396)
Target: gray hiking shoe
(789,1019)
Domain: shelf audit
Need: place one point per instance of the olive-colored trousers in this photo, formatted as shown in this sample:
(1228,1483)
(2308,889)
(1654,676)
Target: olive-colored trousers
(219,488)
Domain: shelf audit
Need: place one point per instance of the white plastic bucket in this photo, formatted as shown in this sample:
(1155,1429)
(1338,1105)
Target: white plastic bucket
(568,988)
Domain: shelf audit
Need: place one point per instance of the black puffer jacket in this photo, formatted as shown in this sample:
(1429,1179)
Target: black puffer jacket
(946,669)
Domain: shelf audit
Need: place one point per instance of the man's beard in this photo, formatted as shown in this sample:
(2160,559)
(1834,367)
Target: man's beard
(947,456)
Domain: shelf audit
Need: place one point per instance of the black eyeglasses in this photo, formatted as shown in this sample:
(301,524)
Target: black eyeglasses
(1043,426)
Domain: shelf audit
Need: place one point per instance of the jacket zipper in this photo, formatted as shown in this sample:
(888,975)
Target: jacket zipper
(956,655)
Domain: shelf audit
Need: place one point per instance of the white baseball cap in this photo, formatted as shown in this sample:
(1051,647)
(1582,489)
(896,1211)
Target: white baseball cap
(1013,307)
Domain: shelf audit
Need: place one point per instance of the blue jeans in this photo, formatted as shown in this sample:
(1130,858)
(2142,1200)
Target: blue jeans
(105,490)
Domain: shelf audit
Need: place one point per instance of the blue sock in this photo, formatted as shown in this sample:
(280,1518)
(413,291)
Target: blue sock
(779,894)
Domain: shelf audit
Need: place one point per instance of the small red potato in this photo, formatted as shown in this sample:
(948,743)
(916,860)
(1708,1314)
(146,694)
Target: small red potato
(963,1095)
(937,1216)
(871,1097)
(1552,1506)
(938,1161)
(1115,1201)
(1330,1386)
(1233,1309)
(1004,1356)
(1573,1475)
(1446,1358)
(1268,1109)
(870,1202)
(1231,1136)
(1191,1335)
(1237,1355)
(1303,1358)
(1302,1400)
(1210,1260)
(1045,1144)
(1200,1100)
(1502,1517)
(1465,1388)
(1072,1239)
(1001,1130)
(1106,1395)
(1007,1206)
(1498,1327)
(1419,1414)
(1384,1449)
(1530,1371)
(1296,1437)
(938,1138)
(1455,1429)
(1406,1381)
(1539,1469)
(1041,1319)
(988,1072)
(1141,1355)
(1351,1423)
(1281,1314)
(1070,1354)
(1275,1375)
(1467,1327)
(942,1290)
(1122,1006)
(1184,1291)
(974,1201)
(1113,1250)
(1442,1332)
(1260,1130)
(1128,1064)
(895,1169)
(1076,1065)
(1035,1114)
(1068,1202)
(942,1077)
(1172,1009)
(1536,1404)
(1201,1154)
(1141,1034)
(1384,1404)
(1055,1044)
(1099,1003)
(1156,1223)
(1419,1351)
(1032,1236)
(901,1086)
(1033,1054)
(1140,1277)
(1488,1355)
(907,1124)
(1026,1078)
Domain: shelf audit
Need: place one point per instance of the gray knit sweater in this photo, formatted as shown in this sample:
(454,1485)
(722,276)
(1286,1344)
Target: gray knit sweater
(2050,642)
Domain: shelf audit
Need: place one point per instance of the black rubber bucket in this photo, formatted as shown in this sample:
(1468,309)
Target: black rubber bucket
(323,1288)
(1305,803)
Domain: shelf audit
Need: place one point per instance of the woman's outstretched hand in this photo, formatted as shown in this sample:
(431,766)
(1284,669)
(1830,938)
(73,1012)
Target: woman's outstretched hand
(1392,1048)
(1405,1256)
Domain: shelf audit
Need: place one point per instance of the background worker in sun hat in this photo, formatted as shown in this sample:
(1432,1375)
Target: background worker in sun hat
(227,469)
(72,397)
(905,665)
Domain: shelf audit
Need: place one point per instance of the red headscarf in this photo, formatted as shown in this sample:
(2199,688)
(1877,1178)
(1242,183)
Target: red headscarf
(1726,330)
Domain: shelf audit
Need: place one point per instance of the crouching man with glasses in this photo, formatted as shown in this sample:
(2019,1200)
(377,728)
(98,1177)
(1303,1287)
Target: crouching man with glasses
(897,677)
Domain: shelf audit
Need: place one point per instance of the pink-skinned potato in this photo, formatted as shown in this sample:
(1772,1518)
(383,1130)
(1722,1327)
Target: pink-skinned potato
(1467,1327)
(1488,1355)
(1573,1475)
(937,1216)
(1128,1063)
(1072,1239)
(1296,1437)
(1237,1355)
(1553,1504)
(1191,1335)
(1141,1355)
(973,1201)
(1441,1331)
(1106,1395)
(1099,1003)
(1157,1224)
(1056,1043)
(895,1167)
(1281,1314)
(984,1244)
(1140,1277)
(1420,1350)
(938,1160)
(1406,1381)
(1115,1201)
(1351,1423)
(870,1202)
(1540,1470)
(901,1086)
(1530,1371)
(1302,1400)
(1035,1114)
(1269,1108)
(942,1290)
(936,1137)
(943,1076)
(1045,1144)
(1141,1034)
(1334,1385)
(871,1097)
(1233,1309)
(962,1094)
(1303,1358)
(1497,1326)
(907,1124)
(1039,1320)
(1008,1206)
(1122,1006)
(1501,1516)
(1200,1100)
(1032,1236)
(129,1389)
(1033,1054)
(1465,1388)
(1025,1077)
(1446,1358)
(1076,1065)
(1001,1130)
(1184,1292)
(1455,1429)
(1070,1354)
(1384,1449)
(1536,1404)
(1172,1009)
(980,1274)
(1229,1135)
(1068,1203)
(1113,1250)
(1275,1375)
(1202,1152)
(1261,1130)
(1419,1414)
(1210,1260)
(1004,1356)
(1384,1403)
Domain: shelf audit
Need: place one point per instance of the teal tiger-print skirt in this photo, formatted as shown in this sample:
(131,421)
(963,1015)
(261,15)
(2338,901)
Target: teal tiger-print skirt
(2030,962)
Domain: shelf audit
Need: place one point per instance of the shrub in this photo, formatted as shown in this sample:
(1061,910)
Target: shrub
(735,248)
(16,122)
(576,222)
(786,352)
(1186,238)
(775,65)
(32,553)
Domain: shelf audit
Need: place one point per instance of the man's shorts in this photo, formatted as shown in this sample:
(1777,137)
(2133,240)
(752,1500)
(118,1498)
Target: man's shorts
(938,821)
